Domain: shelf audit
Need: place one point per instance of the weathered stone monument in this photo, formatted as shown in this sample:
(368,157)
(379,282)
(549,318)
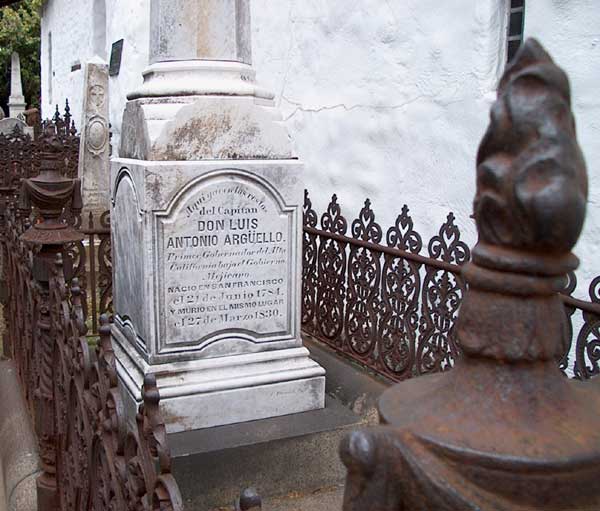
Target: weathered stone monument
(16,102)
(206,224)
(94,149)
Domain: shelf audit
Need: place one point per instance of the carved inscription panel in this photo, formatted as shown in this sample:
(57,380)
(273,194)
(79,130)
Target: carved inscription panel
(226,260)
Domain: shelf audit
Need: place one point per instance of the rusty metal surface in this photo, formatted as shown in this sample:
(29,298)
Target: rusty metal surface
(386,306)
(47,194)
(92,263)
(393,309)
(103,464)
(504,430)
(20,156)
(91,458)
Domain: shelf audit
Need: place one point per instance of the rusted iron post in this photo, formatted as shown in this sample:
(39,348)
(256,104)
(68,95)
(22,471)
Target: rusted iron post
(504,430)
(49,193)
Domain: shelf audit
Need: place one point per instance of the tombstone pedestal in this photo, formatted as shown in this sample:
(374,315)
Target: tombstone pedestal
(208,297)
(207,230)
(226,390)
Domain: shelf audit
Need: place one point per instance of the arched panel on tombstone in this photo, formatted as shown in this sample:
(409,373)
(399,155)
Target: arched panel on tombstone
(225,246)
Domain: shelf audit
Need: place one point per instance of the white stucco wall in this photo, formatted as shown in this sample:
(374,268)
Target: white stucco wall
(130,21)
(385,99)
(72,26)
(389,99)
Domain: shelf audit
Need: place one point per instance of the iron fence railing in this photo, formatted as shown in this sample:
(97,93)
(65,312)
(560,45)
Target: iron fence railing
(20,156)
(92,457)
(393,309)
(92,260)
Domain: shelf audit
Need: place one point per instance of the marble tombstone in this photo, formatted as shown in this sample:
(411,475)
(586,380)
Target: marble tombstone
(210,300)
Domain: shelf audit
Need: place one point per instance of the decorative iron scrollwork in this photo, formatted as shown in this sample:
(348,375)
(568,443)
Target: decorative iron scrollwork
(309,267)
(332,274)
(364,276)
(103,464)
(441,296)
(401,285)
(587,353)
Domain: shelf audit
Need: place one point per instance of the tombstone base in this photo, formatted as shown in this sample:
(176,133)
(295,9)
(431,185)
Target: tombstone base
(225,390)
(9,124)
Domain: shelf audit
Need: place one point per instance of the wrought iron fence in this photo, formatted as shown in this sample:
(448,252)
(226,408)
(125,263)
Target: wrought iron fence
(393,309)
(92,458)
(20,159)
(93,266)
(20,156)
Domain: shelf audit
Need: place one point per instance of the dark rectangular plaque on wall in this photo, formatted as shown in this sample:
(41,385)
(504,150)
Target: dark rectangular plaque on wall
(115,58)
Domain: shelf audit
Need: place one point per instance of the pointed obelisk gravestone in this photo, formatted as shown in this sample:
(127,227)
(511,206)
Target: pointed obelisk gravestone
(206,224)
(16,103)
(94,150)
(16,100)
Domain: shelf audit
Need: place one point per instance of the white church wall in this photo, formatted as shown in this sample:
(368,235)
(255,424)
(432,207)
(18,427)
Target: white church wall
(71,38)
(129,21)
(386,100)
(570,31)
(75,35)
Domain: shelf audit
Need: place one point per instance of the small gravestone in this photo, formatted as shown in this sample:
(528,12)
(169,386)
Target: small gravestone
(10,126)
(16,103)
(94,149)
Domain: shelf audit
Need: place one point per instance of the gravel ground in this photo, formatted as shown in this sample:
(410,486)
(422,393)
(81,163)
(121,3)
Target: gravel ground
(328,499)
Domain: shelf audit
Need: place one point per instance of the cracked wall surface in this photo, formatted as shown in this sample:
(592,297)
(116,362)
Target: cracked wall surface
(385,99)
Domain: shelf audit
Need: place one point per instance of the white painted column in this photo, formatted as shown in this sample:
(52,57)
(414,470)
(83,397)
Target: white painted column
(200,29)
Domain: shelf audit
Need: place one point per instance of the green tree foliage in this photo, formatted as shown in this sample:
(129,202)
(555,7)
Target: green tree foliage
(20,32)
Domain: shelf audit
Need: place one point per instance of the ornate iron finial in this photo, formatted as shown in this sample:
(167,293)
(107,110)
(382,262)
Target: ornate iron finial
(50,193)
(56,118)
(531,176)
(529,207)
(504,429)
